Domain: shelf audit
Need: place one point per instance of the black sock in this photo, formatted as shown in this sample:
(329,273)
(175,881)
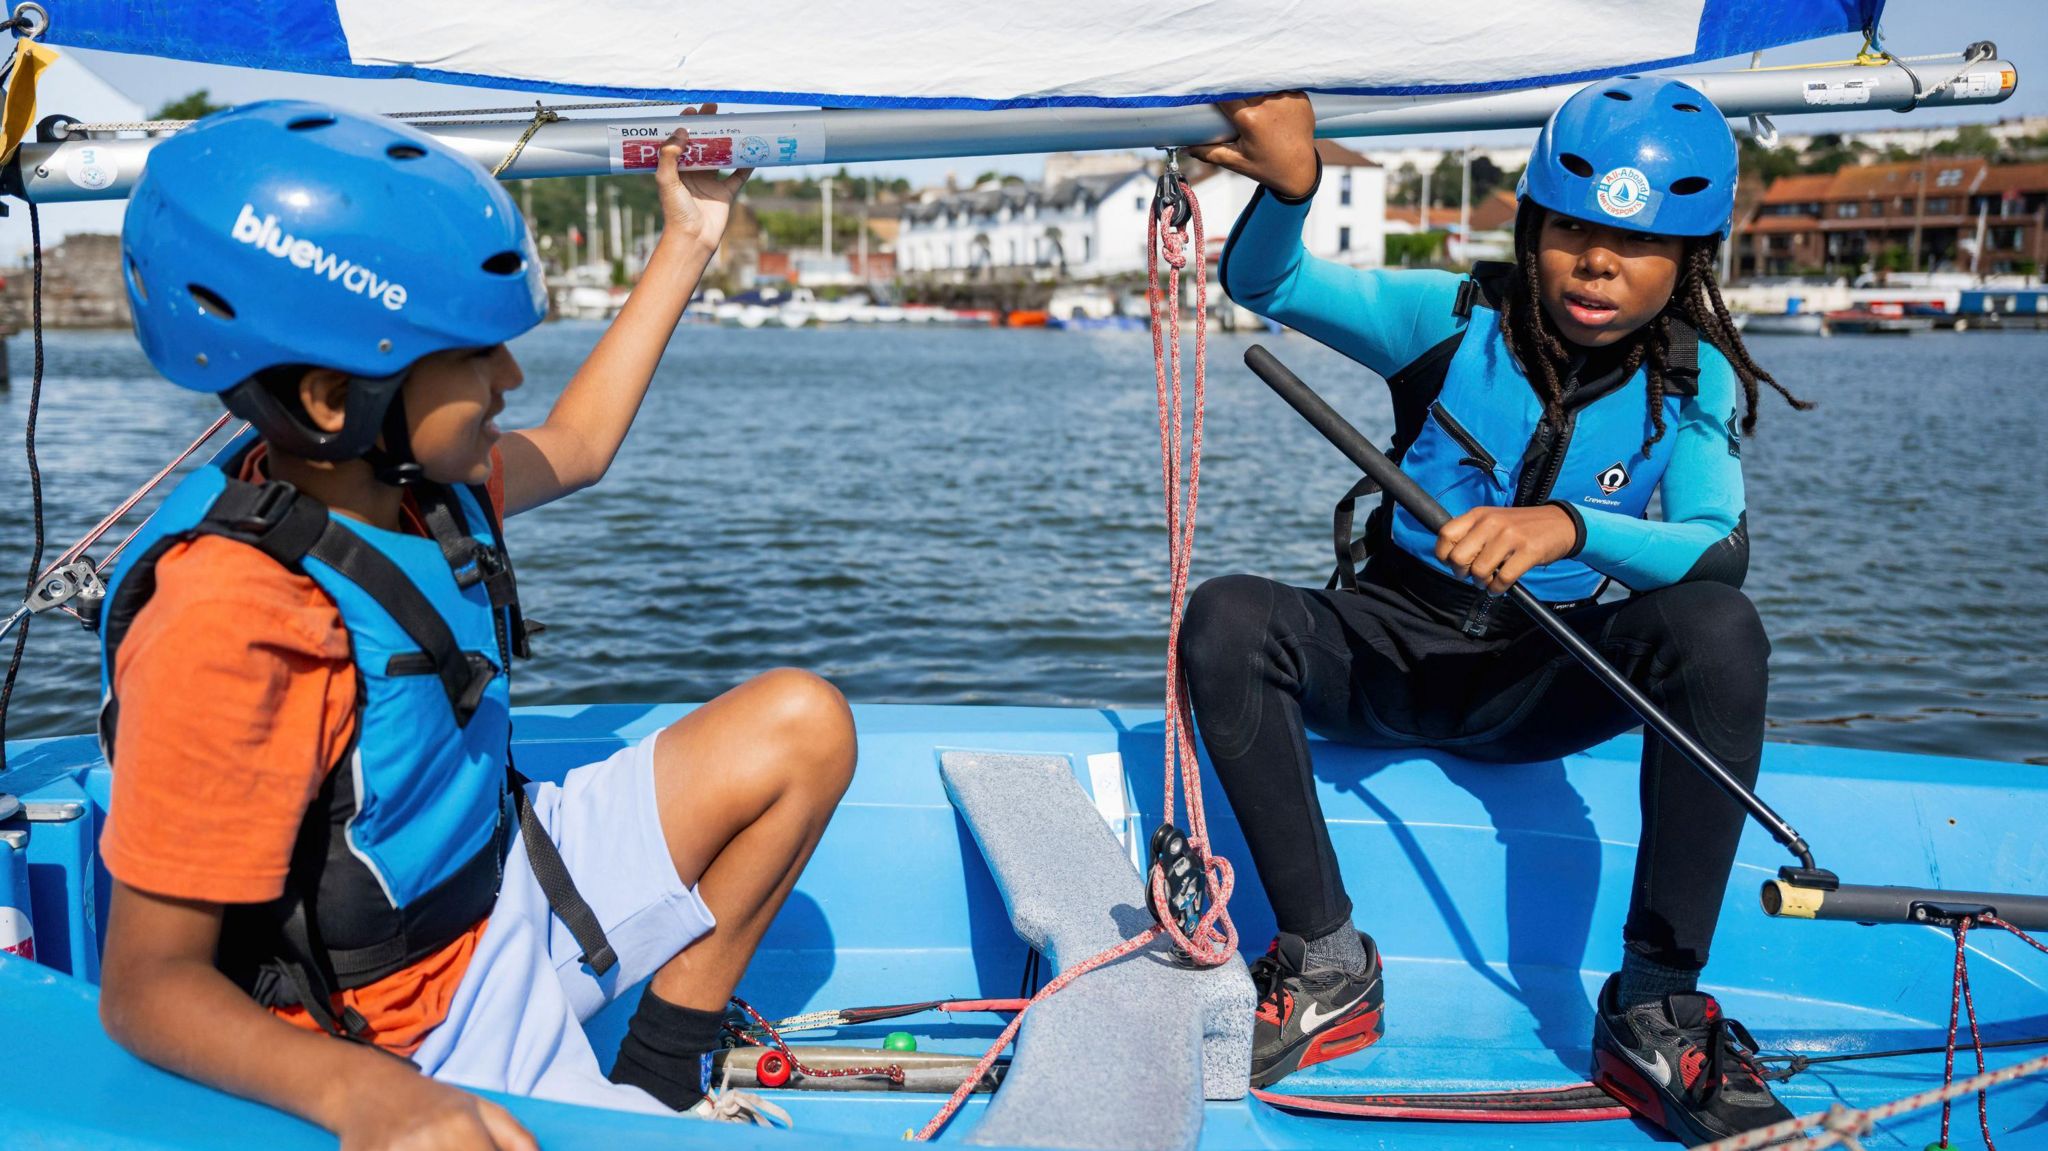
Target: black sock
(664,1049)
(1644,980)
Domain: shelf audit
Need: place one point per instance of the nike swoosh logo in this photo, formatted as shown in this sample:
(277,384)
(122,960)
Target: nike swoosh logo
(1312,1019)
(1660,1070)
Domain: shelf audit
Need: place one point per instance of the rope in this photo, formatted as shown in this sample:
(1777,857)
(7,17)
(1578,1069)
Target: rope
(891,1072)
(1129,946)
(1174,222)
(35,472)
(443,118)
(1840,1126)
(1174,233)
(540,116)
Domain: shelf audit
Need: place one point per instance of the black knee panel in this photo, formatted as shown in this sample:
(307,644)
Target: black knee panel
(1228,617)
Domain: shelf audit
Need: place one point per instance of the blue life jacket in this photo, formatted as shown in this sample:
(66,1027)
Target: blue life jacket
(403,848)
(1484,440)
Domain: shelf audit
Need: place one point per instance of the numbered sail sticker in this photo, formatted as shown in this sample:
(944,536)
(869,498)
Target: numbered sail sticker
(754,144)
(1828,92)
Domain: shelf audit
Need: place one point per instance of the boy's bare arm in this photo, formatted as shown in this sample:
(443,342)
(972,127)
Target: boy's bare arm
(575,446)
(162,998)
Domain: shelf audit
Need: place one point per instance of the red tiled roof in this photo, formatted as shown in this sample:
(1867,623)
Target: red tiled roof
(1336,155)
(1495,212)
(1964,175)
(1798,189)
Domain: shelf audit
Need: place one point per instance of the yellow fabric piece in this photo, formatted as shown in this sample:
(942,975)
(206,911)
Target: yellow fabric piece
(30,58)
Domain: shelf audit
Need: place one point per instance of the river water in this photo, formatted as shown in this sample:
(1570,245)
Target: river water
(949,516)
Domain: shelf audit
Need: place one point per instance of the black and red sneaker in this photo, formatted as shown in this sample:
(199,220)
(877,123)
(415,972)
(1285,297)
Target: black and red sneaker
(1681,1064)
(1309,1018)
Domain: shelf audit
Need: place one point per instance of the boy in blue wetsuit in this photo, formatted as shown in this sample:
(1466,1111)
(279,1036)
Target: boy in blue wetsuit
(1542,403)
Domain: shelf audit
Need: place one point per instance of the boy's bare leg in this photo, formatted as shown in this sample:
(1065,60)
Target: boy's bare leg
(746,785)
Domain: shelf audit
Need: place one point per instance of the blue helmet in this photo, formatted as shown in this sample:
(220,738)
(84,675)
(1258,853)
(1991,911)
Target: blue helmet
(291,233)
(1642,153)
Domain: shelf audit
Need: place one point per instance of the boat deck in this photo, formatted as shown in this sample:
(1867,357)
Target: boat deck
(1496,894)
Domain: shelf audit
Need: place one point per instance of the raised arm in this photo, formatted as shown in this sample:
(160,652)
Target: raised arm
(575,446)
(1382,319)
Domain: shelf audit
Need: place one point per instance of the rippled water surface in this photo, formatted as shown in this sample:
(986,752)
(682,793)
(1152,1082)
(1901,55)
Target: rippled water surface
(973,517)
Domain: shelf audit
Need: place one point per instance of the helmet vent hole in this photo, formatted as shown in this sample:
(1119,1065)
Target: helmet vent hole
(210,302)
(1687,107)
(1576,164)
(405,151)
(1616,94)
(1689,185)
(308,123)
(135,281)
(507,263)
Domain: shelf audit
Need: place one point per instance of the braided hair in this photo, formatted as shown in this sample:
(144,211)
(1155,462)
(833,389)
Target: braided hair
(1534,341)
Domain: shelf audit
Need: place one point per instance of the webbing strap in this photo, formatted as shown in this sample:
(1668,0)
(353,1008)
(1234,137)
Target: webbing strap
(555,882)
(1350,552)
(1682,360)
(272,518)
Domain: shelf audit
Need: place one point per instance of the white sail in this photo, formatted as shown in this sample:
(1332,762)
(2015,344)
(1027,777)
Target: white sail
(956,53)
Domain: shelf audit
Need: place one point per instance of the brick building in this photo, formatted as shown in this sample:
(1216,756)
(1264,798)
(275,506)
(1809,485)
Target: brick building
(1923,215)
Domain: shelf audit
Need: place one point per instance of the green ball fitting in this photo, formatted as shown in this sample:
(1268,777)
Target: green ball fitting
(1939,1146)
(900,1041)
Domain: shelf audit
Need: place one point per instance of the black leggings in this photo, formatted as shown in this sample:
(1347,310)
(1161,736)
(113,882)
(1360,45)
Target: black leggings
(1376,668)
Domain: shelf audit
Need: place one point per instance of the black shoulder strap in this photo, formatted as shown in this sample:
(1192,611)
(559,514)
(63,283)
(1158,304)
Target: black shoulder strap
(1682,361)
(1414,388)
(275,520)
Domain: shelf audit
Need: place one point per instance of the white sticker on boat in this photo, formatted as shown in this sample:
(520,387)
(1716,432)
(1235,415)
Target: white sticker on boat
(1114,801)
(753,144)
(1623,192)
(17,934)
(1827,92)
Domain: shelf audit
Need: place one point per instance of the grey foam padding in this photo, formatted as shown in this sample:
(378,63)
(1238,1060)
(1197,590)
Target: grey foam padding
(1124,1056)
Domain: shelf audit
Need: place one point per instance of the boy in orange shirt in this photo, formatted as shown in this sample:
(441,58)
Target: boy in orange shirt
(316,831)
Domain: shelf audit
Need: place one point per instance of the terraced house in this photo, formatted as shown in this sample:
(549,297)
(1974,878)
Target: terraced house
(1942,213)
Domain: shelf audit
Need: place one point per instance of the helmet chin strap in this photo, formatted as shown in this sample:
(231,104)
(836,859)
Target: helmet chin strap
(391,456)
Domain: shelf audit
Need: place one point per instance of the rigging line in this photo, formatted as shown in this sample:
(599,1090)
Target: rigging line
(443,118)
(35,472)
(1796,1062)
(540,116)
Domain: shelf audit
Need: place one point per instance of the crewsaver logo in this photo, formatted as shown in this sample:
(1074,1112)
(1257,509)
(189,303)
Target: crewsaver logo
(1612,478)
(262,232)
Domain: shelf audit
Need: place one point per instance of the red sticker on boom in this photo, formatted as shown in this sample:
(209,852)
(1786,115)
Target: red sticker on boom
(709,152)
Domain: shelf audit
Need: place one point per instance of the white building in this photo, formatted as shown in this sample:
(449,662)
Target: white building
(1093,226)
(1347,221)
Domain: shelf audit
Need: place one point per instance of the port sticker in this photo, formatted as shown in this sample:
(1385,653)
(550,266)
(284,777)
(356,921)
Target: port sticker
(1829,92)
(752,144)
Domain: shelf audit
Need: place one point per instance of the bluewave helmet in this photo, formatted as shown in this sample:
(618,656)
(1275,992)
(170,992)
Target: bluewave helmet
(291,233)
(1641,153)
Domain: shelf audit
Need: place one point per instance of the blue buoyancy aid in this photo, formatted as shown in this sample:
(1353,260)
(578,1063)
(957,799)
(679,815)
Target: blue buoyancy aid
(403,849)
(1485,440)
(1487,443)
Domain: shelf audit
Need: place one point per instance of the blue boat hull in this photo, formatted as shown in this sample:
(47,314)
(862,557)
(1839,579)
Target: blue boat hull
(1497,894)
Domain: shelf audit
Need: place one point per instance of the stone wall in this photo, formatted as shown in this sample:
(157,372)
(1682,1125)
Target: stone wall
(82,286)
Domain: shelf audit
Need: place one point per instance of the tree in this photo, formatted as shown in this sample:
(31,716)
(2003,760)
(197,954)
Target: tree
(1406,186)
(1969,140)
(190,106)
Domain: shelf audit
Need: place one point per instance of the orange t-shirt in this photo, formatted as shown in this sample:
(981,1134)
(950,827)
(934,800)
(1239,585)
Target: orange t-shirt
(238,696)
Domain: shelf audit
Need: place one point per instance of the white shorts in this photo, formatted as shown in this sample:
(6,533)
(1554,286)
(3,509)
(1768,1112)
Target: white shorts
(516,1023)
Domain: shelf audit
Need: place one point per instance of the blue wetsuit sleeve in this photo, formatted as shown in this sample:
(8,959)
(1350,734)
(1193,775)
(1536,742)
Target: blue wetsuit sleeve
(1383,319)
(1704,534)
